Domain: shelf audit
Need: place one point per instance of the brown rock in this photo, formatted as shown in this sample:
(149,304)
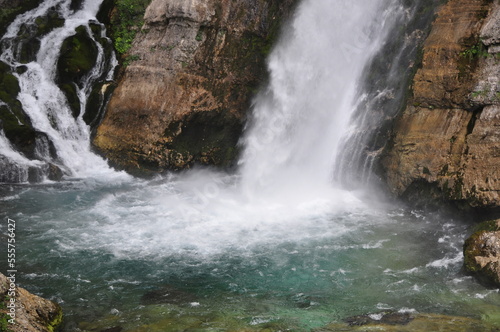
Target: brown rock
(447,138)
(482,253)
(32,313)
(184,99)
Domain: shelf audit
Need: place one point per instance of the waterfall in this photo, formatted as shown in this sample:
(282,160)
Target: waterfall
(384,92)
(300,133)
(298,121)
(47,106)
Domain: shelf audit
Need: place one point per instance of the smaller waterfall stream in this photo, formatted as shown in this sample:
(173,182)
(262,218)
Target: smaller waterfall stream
(42,98)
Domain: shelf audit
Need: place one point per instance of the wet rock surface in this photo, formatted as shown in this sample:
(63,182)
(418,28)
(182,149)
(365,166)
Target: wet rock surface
(444,144)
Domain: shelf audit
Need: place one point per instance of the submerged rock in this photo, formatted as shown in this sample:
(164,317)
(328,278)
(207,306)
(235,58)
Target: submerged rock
(482,253)
(191,72)
(412,323)
(387,318)
(169,295)
(32,313)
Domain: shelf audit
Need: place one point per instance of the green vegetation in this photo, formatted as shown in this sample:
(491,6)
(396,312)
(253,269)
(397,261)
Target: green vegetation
(4,318)
(475,50)
(126,22)
(130,58)
(55,320)
(469,58)
(476,94)
(199,35)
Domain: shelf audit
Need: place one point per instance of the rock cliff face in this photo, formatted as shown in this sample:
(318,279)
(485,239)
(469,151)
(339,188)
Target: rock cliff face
(446,142)
(182,100)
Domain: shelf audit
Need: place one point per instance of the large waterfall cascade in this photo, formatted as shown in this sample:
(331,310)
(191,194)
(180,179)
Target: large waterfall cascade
(298,121)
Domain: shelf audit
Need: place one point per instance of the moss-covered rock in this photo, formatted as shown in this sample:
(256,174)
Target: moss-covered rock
(14,122)
(30,34)
(78,56)
(482,253)
(9,9)
(32,313)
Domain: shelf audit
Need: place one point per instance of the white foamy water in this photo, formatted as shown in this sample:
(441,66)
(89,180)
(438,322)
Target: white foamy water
(202,214)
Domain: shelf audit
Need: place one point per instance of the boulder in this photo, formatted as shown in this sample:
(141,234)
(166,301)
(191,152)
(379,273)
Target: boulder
(32,313)
(482,253)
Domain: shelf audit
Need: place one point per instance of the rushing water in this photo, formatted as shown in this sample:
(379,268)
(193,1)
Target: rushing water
(275,245)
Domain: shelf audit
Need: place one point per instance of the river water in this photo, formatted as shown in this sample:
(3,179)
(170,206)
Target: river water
(276,244)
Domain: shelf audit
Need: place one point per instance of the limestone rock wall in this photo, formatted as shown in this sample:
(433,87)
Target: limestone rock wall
(445,144)
(182,100)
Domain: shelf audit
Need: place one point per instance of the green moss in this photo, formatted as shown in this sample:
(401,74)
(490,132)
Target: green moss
(53,323)
(487,226)
(29,35)
(46,24)
(472,248)
(78,56)
(131,58)
(126,22)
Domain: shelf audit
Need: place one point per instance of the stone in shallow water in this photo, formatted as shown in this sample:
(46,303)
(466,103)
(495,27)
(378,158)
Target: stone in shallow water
(389,318)
(113,329)
(418,323)
(168,294)
(482,253)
